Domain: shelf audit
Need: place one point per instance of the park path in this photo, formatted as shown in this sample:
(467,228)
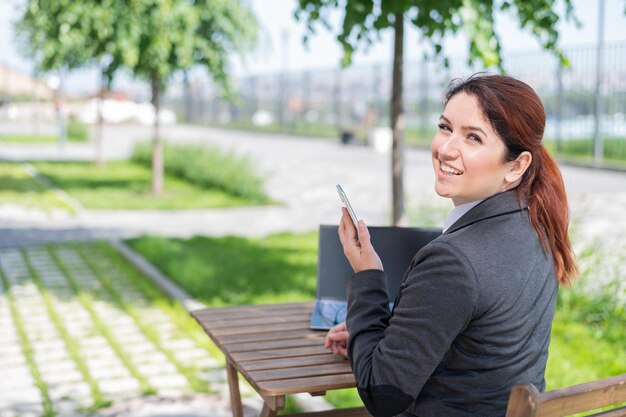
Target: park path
(301,174)
(74,320)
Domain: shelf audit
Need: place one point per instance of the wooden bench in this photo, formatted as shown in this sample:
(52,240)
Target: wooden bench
(527,401)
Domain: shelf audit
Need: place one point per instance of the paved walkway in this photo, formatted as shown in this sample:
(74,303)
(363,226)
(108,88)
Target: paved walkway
(95,336)
(38,284)
(300,173)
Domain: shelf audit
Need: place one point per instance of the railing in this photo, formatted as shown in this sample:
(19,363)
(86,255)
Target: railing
(324,102)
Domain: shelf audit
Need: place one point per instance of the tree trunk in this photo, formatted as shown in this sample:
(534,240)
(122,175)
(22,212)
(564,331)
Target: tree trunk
(100,124)
(157,147)
(397,123)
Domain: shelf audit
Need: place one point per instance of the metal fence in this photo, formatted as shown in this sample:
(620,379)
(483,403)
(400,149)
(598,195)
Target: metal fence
(325,102)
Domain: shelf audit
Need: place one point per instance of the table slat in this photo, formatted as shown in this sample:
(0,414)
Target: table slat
(311,384)
(261,328)
(274,344)
(263,364)
(300,372)
(278,353)
(280,335)
(245,322)
(250,310)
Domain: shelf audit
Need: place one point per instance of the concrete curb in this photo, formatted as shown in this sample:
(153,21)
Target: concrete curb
(74,204)
(306,402)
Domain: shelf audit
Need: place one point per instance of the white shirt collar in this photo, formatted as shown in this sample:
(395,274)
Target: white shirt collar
(458,212)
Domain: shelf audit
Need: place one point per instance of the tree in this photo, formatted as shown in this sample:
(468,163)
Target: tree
(152,38)
(63,35)
(365,19)
(175,35)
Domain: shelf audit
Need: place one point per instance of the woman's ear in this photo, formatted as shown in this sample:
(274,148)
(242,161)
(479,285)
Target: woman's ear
(518,167)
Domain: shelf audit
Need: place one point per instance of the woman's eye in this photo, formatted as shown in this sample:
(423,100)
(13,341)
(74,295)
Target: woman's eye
(443,126)
(475,138)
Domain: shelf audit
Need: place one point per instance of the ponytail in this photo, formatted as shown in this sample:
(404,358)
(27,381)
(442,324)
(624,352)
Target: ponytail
(548,211)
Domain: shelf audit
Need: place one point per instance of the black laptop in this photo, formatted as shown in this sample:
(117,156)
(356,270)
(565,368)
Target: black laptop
(396,247)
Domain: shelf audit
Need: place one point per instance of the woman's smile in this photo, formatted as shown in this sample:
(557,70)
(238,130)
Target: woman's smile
(449,170)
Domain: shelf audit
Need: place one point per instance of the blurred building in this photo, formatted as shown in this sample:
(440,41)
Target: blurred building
(17,86)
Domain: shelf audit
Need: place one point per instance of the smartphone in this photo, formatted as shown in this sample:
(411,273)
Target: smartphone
(347,204)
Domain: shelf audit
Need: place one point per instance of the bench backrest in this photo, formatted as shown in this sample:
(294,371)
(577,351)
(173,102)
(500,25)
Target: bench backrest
(527,401)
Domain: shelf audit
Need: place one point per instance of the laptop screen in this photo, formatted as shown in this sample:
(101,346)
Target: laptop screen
(396,247)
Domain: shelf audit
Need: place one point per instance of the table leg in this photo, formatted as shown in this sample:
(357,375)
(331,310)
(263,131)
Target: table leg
(267,411)
(233,384)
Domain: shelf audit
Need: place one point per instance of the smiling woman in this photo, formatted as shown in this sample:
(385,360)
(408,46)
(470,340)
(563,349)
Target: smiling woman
(474,312)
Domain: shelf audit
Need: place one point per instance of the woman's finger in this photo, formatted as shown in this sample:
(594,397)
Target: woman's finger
(346,227)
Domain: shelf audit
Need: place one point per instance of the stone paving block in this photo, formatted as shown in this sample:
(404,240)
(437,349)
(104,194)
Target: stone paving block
(109,372)
(153,369)
(179,344)
(60,367)
(49,344)
(203,363)
(136,349)
(68,407)
(24,408)
(10,349)
(61,378)
(12,361)
(168,381)
(15,378)
(101,355)
(16,395)
(150,357)
(78,391)
(129,337)
(215,376)
(46,356)
(94,343)
(118,386)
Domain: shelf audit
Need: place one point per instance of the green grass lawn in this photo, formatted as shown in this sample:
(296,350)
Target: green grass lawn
(282,268)
(126,185)
(18,188)
(28,139)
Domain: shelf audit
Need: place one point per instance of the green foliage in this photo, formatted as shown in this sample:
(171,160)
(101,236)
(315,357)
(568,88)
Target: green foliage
(614,148)
(124,185)
(77,131)
(364,19)
(208,168)
(235,270)
(152,38)
(17,187)
(27,138)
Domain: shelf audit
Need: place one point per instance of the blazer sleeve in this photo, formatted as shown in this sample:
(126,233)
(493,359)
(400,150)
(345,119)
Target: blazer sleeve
(392,356)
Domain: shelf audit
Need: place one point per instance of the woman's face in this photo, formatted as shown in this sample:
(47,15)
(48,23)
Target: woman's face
(468,156)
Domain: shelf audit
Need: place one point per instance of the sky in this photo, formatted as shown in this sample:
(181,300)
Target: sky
(279,29)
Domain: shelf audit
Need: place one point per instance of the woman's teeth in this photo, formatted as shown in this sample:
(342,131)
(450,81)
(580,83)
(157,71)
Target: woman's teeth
(450,170)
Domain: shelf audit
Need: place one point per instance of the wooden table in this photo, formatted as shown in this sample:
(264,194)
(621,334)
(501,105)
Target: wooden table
(274,349)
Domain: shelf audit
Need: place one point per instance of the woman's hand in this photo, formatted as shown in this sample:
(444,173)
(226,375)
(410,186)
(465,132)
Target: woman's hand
(360,253)
(337,340)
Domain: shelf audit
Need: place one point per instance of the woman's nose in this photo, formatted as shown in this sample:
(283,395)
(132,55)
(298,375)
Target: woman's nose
(448,148)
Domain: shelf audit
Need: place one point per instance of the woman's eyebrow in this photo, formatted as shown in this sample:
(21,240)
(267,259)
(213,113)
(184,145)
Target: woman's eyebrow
(474,128)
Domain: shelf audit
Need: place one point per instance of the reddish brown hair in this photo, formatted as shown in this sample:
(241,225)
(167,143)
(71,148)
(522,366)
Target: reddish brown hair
(518,117)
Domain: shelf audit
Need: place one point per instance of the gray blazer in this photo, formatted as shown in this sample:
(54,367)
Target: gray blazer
(472,319)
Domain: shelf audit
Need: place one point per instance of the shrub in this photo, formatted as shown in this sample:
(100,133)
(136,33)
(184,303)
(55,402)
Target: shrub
(77,131)
(209,168)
